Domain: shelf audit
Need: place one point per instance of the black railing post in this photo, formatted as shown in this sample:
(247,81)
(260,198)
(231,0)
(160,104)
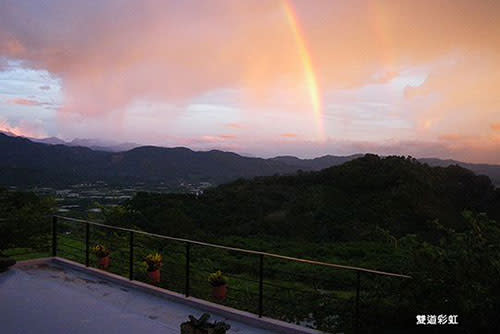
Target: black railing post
(131,254)
(261,285)
(188,258)
(356,314)
(54,236)
(87,247)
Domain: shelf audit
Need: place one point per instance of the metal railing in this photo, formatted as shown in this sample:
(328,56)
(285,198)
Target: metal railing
(128,246)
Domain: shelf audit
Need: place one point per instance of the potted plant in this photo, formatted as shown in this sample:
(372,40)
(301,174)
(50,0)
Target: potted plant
(202,326)
(102,253)
(154,262)
(219,285)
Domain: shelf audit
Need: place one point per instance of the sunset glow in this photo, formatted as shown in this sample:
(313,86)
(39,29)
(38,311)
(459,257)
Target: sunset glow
(337,77)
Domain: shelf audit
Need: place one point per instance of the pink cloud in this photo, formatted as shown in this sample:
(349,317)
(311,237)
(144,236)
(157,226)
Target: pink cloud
(227,136)
(177,51)
(108,64)
(454,137)
(24,102)
(385,76)
(216,139)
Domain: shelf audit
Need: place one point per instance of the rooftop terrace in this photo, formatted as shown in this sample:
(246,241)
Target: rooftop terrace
(50,296)
(267,293)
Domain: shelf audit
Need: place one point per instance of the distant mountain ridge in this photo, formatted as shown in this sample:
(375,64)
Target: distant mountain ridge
(48,162)
(94,144)
(316,163)
(24,162)
(49,141)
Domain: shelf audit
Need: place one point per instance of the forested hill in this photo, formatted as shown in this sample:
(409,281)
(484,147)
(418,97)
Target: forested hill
(353,201)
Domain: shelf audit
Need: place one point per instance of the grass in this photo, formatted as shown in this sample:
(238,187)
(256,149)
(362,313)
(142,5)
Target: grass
(23,254)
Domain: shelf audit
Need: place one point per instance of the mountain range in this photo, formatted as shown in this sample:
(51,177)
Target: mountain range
(52,162)
(95,144)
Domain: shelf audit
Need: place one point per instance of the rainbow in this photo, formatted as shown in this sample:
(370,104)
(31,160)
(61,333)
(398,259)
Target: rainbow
(310,75)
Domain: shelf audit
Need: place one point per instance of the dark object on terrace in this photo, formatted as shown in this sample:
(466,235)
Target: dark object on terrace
(202,326)
(5,263)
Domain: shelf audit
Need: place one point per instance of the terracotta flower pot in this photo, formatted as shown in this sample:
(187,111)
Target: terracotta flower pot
(154,276)
(104,262)
(220,292)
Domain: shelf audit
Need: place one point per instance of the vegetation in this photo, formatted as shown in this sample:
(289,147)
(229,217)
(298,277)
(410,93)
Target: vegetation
(393,214)
(24,223)
(437,224)
(217,279)
(359,200)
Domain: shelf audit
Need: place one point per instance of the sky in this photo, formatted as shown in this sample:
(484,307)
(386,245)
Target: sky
(261,78)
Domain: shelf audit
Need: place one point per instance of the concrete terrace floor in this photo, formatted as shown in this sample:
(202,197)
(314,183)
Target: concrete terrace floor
(43,298)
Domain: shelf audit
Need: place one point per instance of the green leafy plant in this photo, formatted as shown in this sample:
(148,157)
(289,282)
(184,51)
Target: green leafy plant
(142,267)
(220,327)
(153,261)
(199,323)
(204,326)
(100,251)
(217,279)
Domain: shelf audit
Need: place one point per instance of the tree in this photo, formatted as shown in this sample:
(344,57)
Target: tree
(24,220)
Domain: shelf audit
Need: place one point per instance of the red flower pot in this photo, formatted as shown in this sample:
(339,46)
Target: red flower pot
(220,292)
(154,276)
(104,262)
